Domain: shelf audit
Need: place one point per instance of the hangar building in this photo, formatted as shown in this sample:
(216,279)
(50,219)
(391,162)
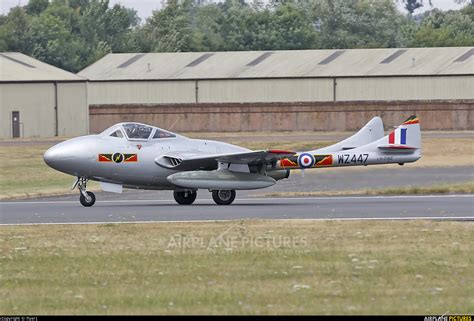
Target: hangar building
(39,100)
(283,90)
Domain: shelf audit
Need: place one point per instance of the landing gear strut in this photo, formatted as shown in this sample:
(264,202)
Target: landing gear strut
(223,197)
(86,198)
(185,197)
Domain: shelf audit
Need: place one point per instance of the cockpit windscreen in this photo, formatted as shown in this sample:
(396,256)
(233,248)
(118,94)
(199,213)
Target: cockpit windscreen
(162,134)
(137,131)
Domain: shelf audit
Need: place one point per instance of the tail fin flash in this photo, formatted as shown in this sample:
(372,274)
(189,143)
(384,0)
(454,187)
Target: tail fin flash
(413,119)
(407,136)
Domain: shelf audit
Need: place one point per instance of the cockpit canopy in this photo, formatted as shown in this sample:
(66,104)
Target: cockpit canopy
(136,131)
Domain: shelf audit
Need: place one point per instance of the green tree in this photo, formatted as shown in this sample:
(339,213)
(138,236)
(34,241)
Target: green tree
(169,29)
(292,28)
(54,43)
(278,27)
(70,16)
(105,29)
(358,23)
(441,29)
(15,31)
(412,5)
(207,22)
(117,22)
(35,7)
(70,34)
(236,27)
(3,34)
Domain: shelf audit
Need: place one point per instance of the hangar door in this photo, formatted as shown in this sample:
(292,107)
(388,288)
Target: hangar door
(15,124)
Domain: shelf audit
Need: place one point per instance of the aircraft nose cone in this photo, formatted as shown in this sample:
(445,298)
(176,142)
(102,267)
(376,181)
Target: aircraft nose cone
(72,156)
(48,157)
(53,156)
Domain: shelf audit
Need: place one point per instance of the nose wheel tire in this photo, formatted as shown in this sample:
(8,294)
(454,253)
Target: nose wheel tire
(223,197)
(185,197)
(87,201)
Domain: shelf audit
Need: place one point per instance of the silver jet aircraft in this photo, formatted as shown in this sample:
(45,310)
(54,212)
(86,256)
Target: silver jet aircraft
(134,155)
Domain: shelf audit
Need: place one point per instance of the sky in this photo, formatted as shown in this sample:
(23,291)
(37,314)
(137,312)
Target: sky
(145,7)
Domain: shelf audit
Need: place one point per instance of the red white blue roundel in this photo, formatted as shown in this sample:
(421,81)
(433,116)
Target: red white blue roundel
(306,160)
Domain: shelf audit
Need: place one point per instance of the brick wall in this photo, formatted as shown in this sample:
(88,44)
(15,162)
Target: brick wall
(307,116)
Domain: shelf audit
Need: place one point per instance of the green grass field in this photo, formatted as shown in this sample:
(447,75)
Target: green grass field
(23,173)
(243,267)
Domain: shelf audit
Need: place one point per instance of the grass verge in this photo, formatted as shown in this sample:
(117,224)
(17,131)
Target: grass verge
(244,267)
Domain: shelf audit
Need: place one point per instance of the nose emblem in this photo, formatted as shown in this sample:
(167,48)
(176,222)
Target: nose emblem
(118,157)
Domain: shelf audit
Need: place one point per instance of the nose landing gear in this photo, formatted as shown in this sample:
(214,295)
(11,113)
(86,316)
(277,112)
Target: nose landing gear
(86,198)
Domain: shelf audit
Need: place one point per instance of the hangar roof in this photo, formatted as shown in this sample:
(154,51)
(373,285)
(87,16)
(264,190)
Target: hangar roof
(17,67)
(283,64)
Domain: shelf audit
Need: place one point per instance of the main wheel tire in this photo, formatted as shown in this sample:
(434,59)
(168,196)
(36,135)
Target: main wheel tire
(85,202)
(185,197)
(223,197)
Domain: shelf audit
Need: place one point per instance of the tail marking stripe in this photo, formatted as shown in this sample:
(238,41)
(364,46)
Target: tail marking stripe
(403,136)
(391,138)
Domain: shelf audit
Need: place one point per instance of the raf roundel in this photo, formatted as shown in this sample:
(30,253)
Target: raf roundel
(306,160)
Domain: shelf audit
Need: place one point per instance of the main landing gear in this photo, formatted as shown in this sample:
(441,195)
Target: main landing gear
(86,198)
(223,197)
(187,197)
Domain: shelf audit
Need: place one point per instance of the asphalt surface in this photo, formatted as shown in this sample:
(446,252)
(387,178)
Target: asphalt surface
(459,207)
(136,205)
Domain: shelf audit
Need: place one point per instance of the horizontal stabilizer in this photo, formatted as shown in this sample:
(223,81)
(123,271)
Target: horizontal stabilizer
(397,147)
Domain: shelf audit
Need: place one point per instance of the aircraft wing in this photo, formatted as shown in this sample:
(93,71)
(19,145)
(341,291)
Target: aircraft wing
(210,161)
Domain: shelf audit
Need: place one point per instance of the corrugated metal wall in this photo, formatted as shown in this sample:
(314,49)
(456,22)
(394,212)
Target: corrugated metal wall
(405,88)
(142,92)
(36,102)
(265,90)
(73,113)
(282,90)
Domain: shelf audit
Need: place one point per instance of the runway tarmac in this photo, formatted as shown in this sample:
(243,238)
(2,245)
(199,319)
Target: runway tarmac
(136,205)
(66,210)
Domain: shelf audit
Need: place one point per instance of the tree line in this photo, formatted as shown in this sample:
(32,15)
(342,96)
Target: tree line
(72,34)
